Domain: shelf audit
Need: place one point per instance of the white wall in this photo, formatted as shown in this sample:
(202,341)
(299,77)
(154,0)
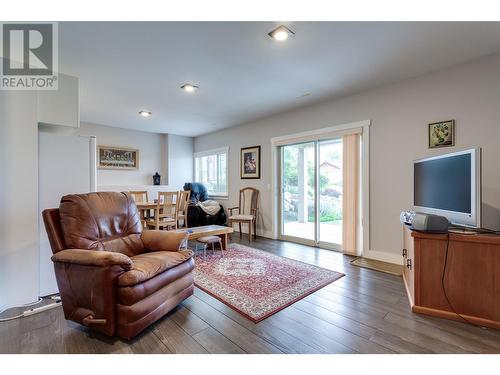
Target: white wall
(20,112)
(400,114)
(169,155)
(18,198)
(74,173)
(180,160)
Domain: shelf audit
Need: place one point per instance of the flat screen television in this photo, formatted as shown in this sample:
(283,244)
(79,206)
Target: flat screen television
(449,185)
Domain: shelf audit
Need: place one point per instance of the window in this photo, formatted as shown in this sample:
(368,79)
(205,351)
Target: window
(210,168)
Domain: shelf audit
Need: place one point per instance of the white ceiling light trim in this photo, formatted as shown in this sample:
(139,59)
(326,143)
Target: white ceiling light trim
(281,33)
(189,87)
(145,113)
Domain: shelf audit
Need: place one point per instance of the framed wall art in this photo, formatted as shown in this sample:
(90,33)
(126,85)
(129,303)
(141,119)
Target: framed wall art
(442,134)
(111,157)
(250,162)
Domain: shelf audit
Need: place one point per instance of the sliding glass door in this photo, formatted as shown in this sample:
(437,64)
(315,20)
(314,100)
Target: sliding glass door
(311,193)
(298,191)
(330,192)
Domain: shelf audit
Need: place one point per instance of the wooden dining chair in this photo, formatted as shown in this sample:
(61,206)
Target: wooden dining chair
(139,196)
(247,211)
(166,212)
(182,207)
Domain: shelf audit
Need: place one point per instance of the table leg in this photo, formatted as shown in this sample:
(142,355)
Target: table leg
(224,240)
(143,219)
(145,214)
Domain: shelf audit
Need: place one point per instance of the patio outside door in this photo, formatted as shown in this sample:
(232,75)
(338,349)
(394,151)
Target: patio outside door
(311,193)
(298,188)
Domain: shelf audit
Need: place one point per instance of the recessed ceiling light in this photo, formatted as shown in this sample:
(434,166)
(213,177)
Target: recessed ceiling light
(145,113)
(281,33)
(189,87)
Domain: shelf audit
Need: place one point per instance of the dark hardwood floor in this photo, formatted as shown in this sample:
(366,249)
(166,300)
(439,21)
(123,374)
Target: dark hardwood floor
(364,312)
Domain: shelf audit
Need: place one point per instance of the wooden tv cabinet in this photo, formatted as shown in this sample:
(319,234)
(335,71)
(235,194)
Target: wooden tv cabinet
(472,279)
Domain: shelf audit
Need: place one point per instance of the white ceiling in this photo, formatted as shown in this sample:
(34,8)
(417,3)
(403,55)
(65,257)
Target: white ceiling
(244,75)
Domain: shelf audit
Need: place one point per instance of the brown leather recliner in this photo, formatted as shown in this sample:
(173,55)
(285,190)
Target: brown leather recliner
(113,277)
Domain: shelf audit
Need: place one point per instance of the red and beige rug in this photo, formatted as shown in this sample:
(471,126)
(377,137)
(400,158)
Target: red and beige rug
(256,283)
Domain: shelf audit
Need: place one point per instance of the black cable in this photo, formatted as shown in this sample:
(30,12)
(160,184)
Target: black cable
(444,289)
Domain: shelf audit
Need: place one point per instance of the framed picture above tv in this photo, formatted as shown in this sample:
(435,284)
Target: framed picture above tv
(250,162)
(111,157)
(442,134)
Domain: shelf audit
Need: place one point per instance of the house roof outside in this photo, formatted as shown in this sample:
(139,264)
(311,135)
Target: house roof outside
(327,164)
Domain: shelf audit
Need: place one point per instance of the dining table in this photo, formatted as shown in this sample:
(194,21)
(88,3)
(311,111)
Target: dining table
(145,209)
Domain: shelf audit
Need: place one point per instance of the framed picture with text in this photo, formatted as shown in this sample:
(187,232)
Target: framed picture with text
(110,157)
(250,162)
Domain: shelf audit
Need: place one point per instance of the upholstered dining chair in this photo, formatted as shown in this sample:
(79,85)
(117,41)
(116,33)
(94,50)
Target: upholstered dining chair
(182,207)
(165,212)
(246,211)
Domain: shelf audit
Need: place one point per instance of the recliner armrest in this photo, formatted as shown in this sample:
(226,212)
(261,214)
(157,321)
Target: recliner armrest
(159,240)
(93,258)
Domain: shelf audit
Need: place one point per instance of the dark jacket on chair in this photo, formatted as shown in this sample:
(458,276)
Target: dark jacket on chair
(196,216)
(198,192)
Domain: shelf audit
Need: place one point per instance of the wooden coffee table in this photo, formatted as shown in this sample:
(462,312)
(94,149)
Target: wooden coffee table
(209,230)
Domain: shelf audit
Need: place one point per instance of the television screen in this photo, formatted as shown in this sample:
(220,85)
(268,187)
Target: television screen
(444,183)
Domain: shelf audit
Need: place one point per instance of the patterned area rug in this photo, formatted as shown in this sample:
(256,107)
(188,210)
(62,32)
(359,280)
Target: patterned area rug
(256,283)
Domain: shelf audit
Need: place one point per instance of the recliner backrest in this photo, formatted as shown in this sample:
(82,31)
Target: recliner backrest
(52,223)
(106,221)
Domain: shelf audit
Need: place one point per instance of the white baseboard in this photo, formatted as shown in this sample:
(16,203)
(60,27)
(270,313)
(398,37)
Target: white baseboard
(370,254)
(266,234)
(260,233)
(384,256)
